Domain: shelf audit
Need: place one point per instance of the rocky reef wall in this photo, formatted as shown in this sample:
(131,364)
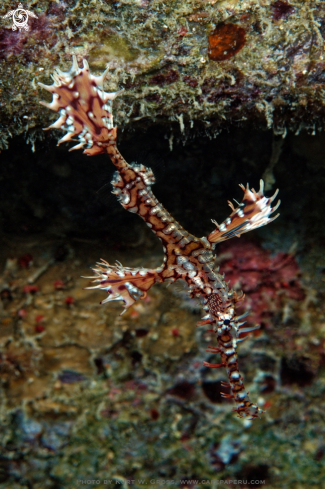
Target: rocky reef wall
(204,63)
(89,395)
(217,93)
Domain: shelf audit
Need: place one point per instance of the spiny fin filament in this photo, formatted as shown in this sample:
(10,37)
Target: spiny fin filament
(252,213)
(213,365)
(123,283)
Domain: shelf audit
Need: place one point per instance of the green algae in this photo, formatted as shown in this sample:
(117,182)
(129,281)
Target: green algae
(111,47)
(276,80)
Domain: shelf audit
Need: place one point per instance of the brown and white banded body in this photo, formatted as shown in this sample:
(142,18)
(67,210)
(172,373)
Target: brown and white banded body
(86,112)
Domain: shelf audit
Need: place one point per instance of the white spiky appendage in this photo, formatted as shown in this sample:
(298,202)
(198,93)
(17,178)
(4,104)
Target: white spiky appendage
(254,212)
(85,108)
(123,283)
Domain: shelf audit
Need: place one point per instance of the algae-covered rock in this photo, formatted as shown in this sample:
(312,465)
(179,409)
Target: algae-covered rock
(161,53)
(89,395)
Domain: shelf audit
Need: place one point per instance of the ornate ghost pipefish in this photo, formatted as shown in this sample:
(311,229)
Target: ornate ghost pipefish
(86,112)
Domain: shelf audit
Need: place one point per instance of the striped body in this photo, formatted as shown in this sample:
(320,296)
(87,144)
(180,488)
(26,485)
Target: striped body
(86,113)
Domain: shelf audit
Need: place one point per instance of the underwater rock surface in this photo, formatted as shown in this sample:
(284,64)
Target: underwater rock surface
(267,66)
(87,394)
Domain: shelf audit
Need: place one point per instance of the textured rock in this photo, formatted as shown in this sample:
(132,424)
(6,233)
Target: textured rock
(158,51)
(87,394)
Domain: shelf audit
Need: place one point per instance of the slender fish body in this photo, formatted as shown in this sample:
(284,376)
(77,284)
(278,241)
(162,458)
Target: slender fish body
(86,112)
